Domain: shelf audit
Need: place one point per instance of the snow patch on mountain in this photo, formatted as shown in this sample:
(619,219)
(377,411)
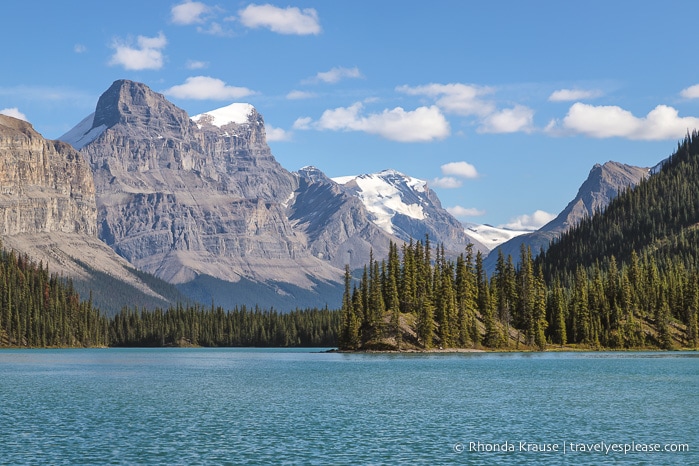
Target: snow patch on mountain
(491,236)
(83,133)
(237,113)
(386,194)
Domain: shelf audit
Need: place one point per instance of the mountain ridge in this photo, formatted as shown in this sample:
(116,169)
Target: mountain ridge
(603,183)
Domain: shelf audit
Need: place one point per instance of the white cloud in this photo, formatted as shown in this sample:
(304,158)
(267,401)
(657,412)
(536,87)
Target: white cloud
(460,169)
(298,95)
(420,125)
(196,65)
(290,20)
(147,55)
(509,120)
(663,122)
(335,75)
(529,222)
(79,48)
(446,182)
(14,113)
(277,134)
(463,212)
(205,87)
(567,95)
(215,29)
(692,92)
(461,99)
(303,123)
(189,13)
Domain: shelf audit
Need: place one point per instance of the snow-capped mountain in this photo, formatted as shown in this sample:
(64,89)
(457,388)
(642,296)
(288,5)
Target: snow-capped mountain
(387,195)
(407,208)
(83,133)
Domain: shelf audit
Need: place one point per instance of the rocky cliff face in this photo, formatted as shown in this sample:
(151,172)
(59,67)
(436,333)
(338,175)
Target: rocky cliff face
(45,185)
(602,185)
(181,199)
(48,211)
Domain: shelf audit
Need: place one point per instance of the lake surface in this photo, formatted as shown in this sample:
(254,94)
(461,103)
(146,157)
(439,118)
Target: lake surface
(302,406)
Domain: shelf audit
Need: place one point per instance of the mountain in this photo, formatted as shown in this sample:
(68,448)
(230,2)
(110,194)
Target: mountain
(657,219)
(198,202)
(48,212)
(337,224)
(603,183)
(202,203)
(407,208)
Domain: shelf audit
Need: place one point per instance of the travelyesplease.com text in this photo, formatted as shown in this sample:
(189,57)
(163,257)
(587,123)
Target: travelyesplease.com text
(566,447)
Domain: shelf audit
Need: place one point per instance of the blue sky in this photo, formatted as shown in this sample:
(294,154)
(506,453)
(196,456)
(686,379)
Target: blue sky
(502,106)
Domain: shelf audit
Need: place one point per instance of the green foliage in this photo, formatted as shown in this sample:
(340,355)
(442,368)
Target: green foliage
(42,310)
(214,327)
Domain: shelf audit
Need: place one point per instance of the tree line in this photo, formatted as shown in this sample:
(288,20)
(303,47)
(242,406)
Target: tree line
(411,301)
(39,309)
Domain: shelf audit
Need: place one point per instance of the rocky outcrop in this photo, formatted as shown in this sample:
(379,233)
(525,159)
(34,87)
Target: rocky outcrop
(48,212)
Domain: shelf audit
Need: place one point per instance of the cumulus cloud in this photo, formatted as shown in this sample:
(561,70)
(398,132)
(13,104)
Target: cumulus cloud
(663,122)
(189,13)
(205,87)
(420,125)
(509,120)
(461,99)
(529,222)
(446,182)
(692,92)
(299,95)
(14,113)
(147,55)
(303,123)
(454,171)
(568,95)
(290,20)
(463,212)
(335,75)
(460,169)
(277,134)
(79,48)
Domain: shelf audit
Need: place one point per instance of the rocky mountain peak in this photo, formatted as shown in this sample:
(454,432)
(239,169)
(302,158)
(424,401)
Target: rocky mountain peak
(313,174)
(603,183)
(133,103)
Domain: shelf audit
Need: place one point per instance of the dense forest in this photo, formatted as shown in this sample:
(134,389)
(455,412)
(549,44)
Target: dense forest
(38,309)
(199,326)
(627,277)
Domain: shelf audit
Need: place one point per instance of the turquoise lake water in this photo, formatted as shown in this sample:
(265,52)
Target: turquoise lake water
(302,406)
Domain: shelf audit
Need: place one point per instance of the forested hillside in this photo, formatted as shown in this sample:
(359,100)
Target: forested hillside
(626,277)
(39,309)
